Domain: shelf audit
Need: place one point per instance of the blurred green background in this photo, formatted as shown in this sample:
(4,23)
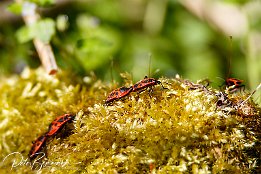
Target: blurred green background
(108,37)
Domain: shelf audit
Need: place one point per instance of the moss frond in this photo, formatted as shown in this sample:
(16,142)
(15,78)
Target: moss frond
(178,130)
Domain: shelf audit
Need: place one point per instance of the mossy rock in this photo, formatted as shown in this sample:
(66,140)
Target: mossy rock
(175,130)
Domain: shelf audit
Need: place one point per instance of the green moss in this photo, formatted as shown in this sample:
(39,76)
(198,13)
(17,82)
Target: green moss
(175,130)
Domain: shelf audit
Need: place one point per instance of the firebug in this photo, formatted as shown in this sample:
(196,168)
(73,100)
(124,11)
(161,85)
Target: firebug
(234,84)
(145,83)
(37,146)
(118,94)
(58,123)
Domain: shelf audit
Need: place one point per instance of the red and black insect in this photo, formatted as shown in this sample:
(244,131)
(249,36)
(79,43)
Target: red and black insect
(37,146)
(145,83)
(234,84)
(58,123)
(118,94)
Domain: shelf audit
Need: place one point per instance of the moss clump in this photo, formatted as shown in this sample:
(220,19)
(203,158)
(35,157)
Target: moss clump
(175,130)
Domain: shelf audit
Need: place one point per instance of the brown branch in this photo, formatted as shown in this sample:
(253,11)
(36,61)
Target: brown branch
(44,50)
(229,19)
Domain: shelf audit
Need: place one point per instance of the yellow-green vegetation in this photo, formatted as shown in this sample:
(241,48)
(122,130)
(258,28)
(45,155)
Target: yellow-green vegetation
(175,130)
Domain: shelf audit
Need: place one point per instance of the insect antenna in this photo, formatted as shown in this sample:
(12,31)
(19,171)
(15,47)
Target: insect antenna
(149,64)
(151,73)
(230,47)
(112,80)
(222,84)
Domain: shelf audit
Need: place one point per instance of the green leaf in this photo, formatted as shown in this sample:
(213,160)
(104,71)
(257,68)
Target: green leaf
(15,8)
(62,22)
(24,35)
(43,2)
(43,29)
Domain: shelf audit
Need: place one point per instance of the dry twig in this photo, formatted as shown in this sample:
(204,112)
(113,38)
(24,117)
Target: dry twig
(44,50)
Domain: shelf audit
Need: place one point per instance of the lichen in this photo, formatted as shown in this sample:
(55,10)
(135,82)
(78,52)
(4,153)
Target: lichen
(175,130)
